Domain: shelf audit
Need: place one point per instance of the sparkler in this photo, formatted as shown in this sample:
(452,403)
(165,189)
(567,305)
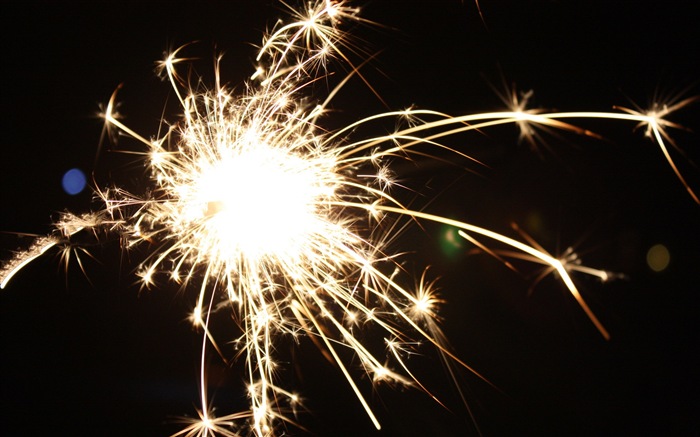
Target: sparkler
(255,205)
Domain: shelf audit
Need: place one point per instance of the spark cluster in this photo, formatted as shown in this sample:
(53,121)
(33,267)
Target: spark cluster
(261,210)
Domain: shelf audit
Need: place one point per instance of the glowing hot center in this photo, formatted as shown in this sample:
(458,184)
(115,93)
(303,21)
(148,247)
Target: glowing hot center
(259,202)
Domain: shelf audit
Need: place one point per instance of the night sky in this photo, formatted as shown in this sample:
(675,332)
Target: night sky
(94,356)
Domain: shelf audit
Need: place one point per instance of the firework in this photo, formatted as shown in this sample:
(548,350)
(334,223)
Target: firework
(264,213)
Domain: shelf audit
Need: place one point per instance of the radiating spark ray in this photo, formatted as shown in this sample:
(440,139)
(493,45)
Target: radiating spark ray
(664,150)
(555,263)
(489,251)
(298,308)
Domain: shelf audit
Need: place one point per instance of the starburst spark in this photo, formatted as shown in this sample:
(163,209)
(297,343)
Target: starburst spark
(262,210)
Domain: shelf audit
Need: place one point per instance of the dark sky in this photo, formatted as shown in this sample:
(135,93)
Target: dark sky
(100,358)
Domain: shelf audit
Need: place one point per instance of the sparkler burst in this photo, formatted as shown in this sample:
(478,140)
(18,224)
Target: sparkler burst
(289,226)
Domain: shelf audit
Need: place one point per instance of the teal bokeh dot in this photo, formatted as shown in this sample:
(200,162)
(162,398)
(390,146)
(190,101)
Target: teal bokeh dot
(451,243)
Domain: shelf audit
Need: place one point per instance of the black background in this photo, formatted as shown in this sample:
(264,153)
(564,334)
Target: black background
(103,359)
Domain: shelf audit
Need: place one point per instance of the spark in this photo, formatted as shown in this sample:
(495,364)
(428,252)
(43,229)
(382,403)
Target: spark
(290,226)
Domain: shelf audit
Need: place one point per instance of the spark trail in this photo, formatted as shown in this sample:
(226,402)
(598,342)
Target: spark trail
(255,205)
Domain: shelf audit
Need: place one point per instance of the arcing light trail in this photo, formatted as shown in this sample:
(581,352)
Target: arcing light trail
(254,204)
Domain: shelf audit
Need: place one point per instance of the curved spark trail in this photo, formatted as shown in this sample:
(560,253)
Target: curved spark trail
(264,212)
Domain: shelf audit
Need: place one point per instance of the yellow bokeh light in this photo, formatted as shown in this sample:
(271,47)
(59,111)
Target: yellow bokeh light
(658,258)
